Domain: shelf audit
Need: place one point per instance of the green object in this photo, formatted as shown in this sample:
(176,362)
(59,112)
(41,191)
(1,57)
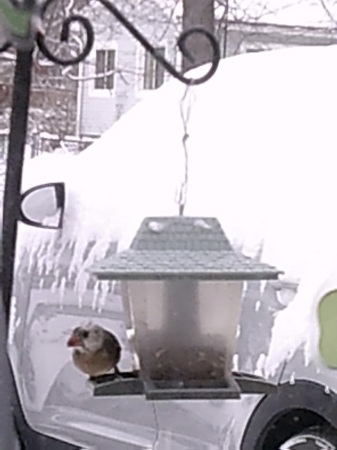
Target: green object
(17,20)
(327,317)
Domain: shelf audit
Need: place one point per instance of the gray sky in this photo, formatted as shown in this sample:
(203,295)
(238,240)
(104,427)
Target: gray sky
(303,12)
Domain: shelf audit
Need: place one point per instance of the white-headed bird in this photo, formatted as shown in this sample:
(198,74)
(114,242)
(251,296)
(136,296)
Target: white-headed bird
(96,351)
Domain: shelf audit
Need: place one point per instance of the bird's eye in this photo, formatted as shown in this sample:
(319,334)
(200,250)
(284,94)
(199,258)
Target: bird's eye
(85,334)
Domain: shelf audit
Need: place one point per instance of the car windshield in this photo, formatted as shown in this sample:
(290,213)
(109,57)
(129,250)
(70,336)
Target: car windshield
(224,176)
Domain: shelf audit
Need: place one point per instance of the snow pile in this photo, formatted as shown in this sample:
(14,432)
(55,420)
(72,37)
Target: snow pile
(261,158)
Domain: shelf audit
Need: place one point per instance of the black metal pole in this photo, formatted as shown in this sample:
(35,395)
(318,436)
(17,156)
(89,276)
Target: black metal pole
(15,157)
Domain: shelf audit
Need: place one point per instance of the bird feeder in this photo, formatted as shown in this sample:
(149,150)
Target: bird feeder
(182,285)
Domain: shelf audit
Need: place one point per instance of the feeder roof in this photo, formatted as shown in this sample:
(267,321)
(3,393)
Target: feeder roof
(182,247)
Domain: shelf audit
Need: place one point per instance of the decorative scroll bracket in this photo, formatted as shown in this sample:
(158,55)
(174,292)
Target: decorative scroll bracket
(25,32)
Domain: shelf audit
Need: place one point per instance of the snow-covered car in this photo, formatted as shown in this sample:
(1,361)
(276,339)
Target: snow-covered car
(260,140)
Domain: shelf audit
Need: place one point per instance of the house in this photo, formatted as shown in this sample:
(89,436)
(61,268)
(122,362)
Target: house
(119,72)
(243,37)
(53,100)
(130,73)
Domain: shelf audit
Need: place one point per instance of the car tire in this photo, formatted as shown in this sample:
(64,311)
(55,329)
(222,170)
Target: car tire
(316,438)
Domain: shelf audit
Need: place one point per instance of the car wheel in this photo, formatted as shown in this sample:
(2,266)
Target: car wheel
(317,438)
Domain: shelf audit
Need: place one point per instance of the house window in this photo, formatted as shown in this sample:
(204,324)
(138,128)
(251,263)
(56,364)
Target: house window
(153,71)
(105,67)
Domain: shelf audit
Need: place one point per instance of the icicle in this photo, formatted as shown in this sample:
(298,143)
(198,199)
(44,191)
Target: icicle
(104,292)
(236,362)
(62,291)
(263,285)
(259,370)
(80,301)
(40,270)
(95,295)
(53,287)
(81,284)
(292,378)
(12,320)
(31,261)
(57,274)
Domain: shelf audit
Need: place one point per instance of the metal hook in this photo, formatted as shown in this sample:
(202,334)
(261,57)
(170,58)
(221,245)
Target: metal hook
(64,38)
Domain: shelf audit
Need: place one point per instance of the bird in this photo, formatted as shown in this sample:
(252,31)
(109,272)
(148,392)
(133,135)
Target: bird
(96,351)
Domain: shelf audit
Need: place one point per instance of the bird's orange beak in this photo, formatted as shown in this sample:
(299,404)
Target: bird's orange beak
(74,341)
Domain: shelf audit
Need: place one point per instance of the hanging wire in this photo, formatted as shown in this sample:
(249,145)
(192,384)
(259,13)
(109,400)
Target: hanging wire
(225,28)
(185,114)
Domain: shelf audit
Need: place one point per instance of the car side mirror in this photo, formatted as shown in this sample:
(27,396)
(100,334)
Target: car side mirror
(43,206)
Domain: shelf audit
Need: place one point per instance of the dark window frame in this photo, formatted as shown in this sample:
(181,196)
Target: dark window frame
(154,75)
(105,62)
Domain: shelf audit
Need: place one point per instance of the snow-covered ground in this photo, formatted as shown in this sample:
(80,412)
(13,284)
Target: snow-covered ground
(261,157)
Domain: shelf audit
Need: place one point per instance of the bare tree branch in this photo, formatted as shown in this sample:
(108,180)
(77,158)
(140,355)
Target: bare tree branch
(328,12)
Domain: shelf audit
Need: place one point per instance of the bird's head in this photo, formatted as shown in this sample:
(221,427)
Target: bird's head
(88,338)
